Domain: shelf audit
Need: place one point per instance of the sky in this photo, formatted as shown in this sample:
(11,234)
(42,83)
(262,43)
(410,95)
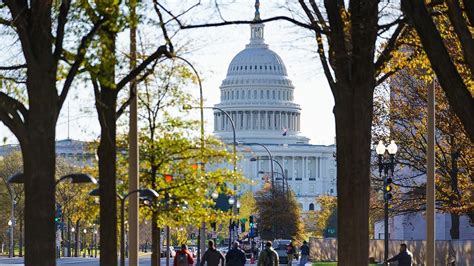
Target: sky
(211,51)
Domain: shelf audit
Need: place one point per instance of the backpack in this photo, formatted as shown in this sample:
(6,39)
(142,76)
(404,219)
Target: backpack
(269,258)
(182,259)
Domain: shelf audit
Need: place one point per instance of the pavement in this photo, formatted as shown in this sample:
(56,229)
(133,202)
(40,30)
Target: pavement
(143,261)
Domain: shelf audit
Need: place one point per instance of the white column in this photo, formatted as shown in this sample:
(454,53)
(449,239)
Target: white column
(251,120)
(246,120)
(215,122)
(293,167)
(294,122)
(272,121)
(305,167)
(280,125)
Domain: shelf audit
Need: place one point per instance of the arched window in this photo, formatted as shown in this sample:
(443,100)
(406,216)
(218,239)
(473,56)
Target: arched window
(237,97)
(273,95)
(311,206)
(268,94)
(261,94)
(245,67)
(255,94)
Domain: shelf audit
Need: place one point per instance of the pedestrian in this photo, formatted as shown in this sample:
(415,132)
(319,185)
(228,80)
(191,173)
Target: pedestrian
(290,251)
(403,258)
(268,256)
(235,256)
(304,253)
(212,256)
(183,257)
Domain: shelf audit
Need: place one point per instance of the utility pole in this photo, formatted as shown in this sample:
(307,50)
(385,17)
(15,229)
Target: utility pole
(133,144)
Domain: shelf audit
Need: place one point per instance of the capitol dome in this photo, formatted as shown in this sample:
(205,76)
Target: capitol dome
(257,61)
(258,95)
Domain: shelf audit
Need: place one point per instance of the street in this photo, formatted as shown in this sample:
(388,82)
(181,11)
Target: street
(144,261)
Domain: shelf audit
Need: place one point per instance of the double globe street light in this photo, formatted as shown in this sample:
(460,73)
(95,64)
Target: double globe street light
(144,193)
(19,178)
(386,166)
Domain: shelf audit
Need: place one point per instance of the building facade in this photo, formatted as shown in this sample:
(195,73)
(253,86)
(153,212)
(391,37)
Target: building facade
(259,96)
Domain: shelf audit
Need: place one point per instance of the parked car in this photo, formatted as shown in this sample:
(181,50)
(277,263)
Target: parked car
(163,252)
(280,247)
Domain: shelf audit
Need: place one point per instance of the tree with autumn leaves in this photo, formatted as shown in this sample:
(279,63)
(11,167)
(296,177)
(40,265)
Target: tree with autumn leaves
(405,119)
(453,151)
(174,161)
(278,215)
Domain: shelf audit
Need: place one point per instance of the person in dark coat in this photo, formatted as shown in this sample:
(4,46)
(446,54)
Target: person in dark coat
(212,256)
(403,258)
(235,256)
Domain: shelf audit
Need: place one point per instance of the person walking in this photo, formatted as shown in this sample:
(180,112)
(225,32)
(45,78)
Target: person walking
(268,256)
(212,256)
(304,253)
(290,251)
(235,256)
(183,257)
(404,258)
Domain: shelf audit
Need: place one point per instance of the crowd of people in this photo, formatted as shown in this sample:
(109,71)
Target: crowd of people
(236,256)
(267,257)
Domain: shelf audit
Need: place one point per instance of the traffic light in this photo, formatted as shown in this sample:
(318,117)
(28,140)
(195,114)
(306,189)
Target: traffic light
(168,178)
(387,188)
(251,221)
(57,216)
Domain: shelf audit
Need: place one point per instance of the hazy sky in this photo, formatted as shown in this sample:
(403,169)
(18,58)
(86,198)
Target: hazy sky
(212,51)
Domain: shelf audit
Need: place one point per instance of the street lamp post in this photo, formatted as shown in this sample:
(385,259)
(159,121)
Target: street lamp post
(74,178)
(95,243)
(10,249)
(146,193)
(234,149)
(386,166)
(269,155)
(84,242)
(73,230)
(254,159)
(284,179)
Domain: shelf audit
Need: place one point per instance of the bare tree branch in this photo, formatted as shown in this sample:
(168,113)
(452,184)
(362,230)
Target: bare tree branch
(10,109)
(163,27)
(469,8)
(462,31)
(160,51)
(5,22)
(14,67)
(234,22)
(62,19)
(81,52)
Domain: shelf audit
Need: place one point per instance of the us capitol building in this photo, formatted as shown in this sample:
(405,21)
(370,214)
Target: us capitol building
(258,95)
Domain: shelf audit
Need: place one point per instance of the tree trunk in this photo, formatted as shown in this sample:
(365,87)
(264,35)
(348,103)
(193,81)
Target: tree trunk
(20,242)
(106,109)
(76,239)
(155,241)
(454,231)
(353,88)
(353,136)
(39,165)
